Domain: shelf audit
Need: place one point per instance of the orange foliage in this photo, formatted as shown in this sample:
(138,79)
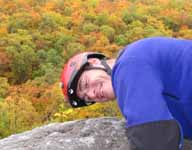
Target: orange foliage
(3,30)
(106,5)
(184,27)
(10,7)
(3,57)
(24,4)
(49,6)
(35,16)
(170,12)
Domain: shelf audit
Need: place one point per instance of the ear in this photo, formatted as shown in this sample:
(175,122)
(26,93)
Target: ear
(94,61)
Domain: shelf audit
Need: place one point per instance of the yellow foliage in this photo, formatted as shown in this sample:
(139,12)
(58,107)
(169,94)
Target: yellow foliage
(185,33)
(96,110)
(17,114)
(68,111)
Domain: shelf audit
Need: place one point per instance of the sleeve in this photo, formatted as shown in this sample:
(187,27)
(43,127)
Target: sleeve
(138,88)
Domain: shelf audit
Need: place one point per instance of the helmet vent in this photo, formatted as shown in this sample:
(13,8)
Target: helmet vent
(74,103)
(73,64)
(71,91)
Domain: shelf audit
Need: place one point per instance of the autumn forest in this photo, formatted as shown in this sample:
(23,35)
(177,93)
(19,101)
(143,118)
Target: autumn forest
(38,36)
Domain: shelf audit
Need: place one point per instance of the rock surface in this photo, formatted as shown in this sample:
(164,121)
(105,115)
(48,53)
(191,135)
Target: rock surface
(90,134)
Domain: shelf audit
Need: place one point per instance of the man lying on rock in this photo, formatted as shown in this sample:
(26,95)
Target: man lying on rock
(152,82)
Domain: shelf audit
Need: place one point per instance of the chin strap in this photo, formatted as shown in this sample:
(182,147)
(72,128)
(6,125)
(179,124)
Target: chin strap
(106,66)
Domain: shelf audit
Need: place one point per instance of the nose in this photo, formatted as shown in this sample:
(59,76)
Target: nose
(91,95)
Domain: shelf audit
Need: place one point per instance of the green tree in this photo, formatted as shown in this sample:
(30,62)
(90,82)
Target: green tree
(90,27)
(118,24)
(121,40)
(89,17)
(54,58)
(4,86)
(102,19)
(47,74)
(4,120)
(131,15)
(19,21)
(62,40)
(21,50)
(73,48)
(22,63)
(135,31)
(108,31)
(51,21)
(155,27)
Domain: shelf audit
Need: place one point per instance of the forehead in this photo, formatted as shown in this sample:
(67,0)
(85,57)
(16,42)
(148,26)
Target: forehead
(84,75)
(90,74)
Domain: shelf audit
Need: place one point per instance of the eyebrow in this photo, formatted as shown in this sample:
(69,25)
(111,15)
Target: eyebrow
(80,85)
(80,88)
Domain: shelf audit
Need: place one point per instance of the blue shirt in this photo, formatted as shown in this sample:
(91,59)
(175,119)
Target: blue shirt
(152,80)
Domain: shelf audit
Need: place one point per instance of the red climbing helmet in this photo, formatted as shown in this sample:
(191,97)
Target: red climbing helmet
(71,73)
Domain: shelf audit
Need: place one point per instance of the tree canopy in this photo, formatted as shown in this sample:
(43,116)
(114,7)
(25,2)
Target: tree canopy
(38,36)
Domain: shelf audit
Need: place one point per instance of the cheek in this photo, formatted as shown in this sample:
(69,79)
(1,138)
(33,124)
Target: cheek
(108,87)
(94,81)
(96,84)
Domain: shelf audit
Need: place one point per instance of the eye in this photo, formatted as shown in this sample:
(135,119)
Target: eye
(86,84)
(80,85)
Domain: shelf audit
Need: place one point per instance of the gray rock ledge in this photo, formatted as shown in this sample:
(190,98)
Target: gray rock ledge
(91,134)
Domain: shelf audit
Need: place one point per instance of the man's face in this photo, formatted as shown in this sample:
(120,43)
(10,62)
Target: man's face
(95,85)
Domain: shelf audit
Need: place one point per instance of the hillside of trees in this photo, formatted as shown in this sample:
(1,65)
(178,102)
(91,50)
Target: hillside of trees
(38,36)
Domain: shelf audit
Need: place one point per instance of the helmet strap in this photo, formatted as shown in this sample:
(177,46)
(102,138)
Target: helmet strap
(106,68)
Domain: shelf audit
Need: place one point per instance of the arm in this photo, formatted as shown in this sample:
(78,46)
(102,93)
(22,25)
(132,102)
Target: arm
(150,125)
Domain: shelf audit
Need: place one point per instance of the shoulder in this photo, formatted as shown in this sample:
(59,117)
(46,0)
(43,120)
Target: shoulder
(142,47)
(153,42)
